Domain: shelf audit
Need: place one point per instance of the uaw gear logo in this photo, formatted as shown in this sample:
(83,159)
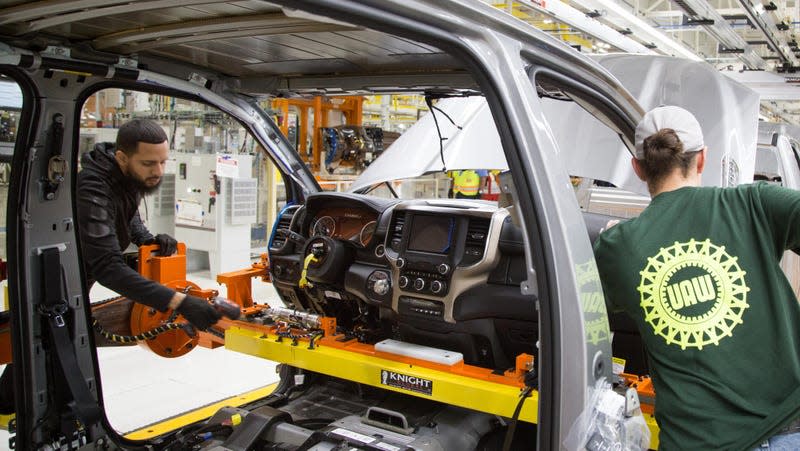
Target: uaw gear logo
(693,294)
(593,303)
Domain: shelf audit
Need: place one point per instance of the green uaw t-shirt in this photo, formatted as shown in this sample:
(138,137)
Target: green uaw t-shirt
(699,272)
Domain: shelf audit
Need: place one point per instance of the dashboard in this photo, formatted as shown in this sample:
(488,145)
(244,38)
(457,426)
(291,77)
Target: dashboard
(412,257)
(439,272)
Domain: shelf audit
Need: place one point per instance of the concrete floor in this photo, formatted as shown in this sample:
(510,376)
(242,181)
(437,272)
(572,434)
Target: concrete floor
(140,388)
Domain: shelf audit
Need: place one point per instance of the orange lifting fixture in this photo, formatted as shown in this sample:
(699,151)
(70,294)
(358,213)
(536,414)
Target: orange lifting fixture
(171,272)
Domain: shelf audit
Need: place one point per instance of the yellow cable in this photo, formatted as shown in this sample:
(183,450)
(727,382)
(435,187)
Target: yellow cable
(303,282)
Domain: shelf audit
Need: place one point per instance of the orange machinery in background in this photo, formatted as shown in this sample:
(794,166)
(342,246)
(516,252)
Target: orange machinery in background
(350,106)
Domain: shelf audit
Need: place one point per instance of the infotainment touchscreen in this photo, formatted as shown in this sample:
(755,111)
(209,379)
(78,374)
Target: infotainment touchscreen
(431,234)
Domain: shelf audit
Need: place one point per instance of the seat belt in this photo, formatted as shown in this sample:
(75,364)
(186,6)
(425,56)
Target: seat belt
(54,308)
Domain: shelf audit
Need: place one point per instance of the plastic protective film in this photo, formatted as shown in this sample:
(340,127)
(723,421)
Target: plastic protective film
(608,423)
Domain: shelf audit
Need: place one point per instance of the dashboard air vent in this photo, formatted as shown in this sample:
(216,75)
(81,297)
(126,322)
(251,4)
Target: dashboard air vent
(396,230)
(475,244)
(284,223)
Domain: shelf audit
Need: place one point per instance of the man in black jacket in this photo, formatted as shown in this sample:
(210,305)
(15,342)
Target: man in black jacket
(111,184)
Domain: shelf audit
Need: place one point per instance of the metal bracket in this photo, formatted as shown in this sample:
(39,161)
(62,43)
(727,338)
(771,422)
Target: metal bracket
(56,169)
(56,165)
(33,152)
(632,404)
(60,246)
(530,286)
(128,62)
(6,49)
(56,51)
(198,79)
(56,312)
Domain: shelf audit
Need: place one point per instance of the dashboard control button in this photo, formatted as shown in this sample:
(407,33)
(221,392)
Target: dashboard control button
(379,283)
(419,284)
(381,287)
(403,282)
(443,268)
(437,286)
(400,262)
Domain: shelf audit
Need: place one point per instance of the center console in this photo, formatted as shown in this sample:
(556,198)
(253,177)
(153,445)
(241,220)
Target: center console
(428,257)
(435,252)
(425,263)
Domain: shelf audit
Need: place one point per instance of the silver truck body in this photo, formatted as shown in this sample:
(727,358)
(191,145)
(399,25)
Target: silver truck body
(229,55)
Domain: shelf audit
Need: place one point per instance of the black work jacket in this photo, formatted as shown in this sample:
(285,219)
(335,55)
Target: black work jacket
(108,219)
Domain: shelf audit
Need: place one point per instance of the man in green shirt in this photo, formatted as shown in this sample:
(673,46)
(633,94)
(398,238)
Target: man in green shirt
(699,273)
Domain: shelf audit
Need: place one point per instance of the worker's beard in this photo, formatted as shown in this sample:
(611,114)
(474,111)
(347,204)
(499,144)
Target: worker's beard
(141,185)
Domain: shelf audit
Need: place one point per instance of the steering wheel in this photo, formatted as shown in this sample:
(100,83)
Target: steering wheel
(330,261)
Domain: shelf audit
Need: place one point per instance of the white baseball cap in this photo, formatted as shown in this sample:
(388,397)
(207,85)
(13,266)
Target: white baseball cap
(683,122)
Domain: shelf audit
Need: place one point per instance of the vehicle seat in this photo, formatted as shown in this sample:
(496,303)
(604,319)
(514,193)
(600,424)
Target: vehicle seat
(627,343)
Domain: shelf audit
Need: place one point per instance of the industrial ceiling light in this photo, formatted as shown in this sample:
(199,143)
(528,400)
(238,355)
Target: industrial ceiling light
(757,15)
(564,13)
(718,27)
(623,18)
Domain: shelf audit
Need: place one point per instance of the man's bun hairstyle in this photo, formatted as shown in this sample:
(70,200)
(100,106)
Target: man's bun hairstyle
(663,152)
(139,130)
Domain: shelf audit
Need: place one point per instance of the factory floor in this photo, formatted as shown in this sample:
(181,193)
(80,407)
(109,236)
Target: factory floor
(140,388)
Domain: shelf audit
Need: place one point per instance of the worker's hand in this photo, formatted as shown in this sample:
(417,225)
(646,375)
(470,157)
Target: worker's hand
(200,313)
(611,223)
(166,244)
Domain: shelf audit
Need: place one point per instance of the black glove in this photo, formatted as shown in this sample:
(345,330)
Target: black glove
(199,312)
(166,244)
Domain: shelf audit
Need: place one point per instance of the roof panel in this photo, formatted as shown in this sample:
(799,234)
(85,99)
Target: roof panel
(304,67)
(119,16)
(367,43)
(246,37)
(263,50)
(239,65)
(252,49)
(356,44)
(199,57)
(233,8)
(396,45)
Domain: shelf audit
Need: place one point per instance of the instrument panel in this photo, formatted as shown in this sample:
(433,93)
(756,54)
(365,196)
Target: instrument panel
(347,224)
